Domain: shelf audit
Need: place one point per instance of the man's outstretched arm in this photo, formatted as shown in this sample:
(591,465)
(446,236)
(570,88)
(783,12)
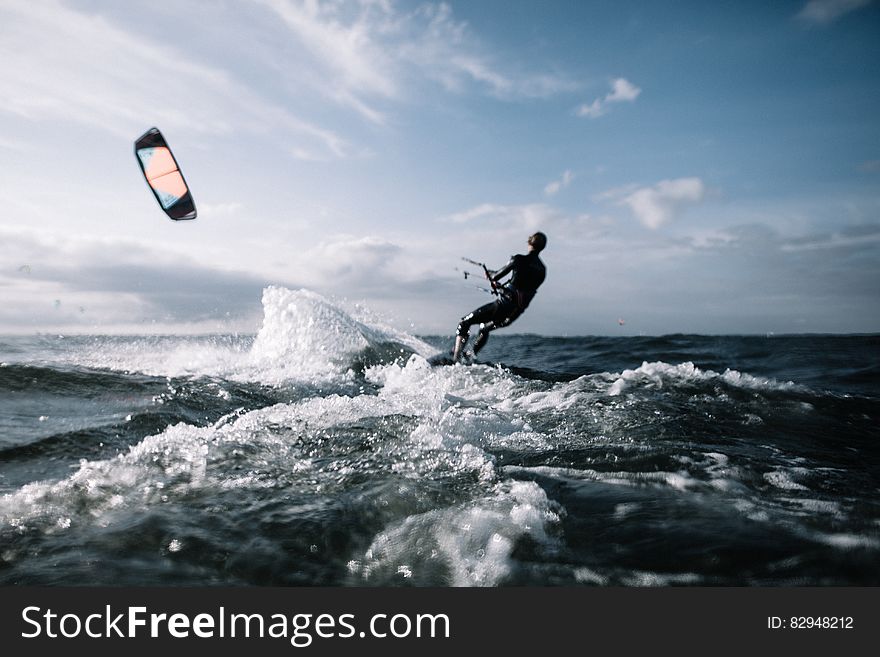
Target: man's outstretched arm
(501,273)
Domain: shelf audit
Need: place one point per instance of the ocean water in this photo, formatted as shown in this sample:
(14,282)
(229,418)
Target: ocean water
(325,450)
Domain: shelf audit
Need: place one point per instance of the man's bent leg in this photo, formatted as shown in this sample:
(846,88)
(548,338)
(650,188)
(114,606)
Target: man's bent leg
(495,323)
(460,342)
(481,314)
(483,336)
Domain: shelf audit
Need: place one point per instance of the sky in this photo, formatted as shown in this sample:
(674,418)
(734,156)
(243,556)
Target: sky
(697,167)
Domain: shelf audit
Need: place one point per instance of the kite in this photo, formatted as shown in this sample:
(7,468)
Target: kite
(163,175)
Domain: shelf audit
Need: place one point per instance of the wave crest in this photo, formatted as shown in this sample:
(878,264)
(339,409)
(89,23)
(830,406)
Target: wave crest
(660,374)
(304,336)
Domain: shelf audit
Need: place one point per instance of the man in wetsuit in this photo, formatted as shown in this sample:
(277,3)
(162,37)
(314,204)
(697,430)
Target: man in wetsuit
(528,273)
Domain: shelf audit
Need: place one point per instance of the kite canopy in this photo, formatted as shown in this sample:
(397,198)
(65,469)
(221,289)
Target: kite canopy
(164,176)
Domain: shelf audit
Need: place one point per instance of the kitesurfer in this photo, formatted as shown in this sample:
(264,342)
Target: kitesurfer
(528,273)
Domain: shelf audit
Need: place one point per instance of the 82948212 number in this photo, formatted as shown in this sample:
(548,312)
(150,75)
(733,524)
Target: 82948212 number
(810,623)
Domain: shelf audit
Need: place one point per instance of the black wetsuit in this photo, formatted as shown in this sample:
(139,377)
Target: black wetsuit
(513,298)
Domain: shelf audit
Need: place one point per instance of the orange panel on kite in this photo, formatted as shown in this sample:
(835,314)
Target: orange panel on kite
(171,184)
(159,163)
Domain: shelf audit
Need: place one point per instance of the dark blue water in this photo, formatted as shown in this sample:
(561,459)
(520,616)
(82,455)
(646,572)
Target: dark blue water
(326,451)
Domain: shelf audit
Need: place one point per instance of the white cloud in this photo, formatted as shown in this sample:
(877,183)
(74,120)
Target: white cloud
(84,283)
(823,12)
(368,52)
(492,224)
(505,87)
(345,47)
(622,91)
(556,186)
(57,64)
(61,64)
(529,217)
(656,205)
(592,111)
(441,48)
(348,257)
(853,240)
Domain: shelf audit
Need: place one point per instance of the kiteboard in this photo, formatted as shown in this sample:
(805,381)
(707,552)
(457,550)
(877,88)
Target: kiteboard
(445,358)
(440,359)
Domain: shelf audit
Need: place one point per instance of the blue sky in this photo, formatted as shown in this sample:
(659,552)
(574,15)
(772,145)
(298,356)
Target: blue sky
(698,167)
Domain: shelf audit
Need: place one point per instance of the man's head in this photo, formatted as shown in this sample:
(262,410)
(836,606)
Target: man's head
(537,242)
